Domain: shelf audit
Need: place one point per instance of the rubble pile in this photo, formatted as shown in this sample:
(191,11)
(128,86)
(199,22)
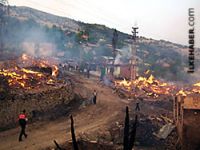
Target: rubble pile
(29,73)
(144,86)
(149,86)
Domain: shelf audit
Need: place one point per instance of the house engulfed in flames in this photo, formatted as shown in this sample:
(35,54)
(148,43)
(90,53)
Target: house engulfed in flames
(29,72)
(146,86)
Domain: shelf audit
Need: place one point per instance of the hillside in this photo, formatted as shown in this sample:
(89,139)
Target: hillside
(165,59)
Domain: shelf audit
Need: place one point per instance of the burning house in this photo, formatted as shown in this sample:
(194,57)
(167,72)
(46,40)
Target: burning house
(31,80)
(187,117)
(121,70)
(28,71)
(145,86)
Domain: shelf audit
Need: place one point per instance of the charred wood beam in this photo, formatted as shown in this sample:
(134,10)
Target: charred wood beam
(129,137)
(57,145)
(74,142)
(126,130)
(114,43)
(133,134)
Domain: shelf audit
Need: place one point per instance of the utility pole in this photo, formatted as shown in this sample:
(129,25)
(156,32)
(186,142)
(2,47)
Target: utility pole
(114,44)
(133,58)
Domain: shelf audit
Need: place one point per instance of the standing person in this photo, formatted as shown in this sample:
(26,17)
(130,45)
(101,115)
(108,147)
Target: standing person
(137,108)
(94,97)
(22,122)
(103,72)
(88,71)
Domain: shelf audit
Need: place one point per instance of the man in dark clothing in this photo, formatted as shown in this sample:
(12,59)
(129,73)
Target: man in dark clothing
(137,108)
(94,97)
(22,122)
(88,71)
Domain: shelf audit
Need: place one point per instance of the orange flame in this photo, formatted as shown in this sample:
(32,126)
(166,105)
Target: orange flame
(20,77)
(150,85)
(181,92)
(26,78)
(54,70)
(197,84)
(190,90)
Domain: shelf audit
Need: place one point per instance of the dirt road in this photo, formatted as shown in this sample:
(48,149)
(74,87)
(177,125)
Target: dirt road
(91,119)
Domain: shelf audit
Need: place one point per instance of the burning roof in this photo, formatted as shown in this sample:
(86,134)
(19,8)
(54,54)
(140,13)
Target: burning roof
(150,85)
(153,87)
(190,90)
(30,73)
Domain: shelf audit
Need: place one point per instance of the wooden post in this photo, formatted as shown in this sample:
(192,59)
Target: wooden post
(57,145)
(74,142)
(133,133)
(126,130)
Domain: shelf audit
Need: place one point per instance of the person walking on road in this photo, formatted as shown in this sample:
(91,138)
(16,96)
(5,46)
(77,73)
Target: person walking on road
(137,108)
(94,97)
(88,71)
(22,122)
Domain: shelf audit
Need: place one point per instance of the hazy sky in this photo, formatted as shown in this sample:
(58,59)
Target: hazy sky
(158,19)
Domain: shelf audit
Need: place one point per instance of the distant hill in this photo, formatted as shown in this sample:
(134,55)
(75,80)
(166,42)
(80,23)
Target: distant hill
(165,59)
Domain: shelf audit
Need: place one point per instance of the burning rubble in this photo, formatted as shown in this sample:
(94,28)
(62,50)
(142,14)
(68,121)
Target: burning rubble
(149,85)
(32,83)
(30,72)
(194,89)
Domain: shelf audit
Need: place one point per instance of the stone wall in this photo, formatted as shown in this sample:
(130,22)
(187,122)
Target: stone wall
(41,101)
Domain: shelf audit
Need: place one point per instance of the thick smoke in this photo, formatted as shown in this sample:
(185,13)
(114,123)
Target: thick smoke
(123,55)
(37,43)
